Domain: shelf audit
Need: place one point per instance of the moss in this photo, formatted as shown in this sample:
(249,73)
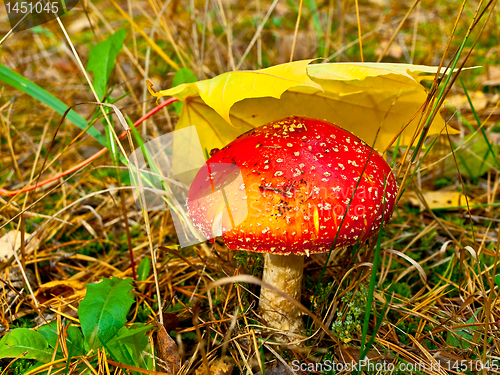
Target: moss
(252,262)
(401,289)
(21,366)
(349,319)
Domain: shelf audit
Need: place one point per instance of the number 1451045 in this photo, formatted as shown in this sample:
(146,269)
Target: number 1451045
(24,7)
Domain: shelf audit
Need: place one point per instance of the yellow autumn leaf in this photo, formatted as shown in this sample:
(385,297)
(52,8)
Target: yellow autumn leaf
(56,288)
(441,199)
(223,91)
(363,98)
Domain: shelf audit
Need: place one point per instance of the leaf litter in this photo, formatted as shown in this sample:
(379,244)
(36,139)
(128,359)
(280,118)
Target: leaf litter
(452,321)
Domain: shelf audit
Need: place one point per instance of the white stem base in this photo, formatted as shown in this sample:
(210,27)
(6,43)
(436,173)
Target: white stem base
(285,273)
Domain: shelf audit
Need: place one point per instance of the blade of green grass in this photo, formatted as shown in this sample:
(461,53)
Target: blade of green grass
(115,155)
(371,288)
(435,107)
(403,189)
(497,204)
(380,320)
(25,85)
(395,152)
(490,148)
(148,156)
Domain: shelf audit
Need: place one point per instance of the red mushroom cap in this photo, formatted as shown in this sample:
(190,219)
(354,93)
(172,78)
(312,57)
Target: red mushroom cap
(298,176)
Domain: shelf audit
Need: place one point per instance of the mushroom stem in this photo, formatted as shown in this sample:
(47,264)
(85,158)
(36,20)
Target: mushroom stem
(285,273)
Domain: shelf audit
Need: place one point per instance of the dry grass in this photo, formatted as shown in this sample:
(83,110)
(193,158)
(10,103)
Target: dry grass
(436,291)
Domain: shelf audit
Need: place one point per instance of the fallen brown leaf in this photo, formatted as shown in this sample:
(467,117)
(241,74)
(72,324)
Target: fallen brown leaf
(167,350)
(170,321)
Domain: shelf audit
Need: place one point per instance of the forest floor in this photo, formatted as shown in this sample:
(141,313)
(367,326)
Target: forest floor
(434,291)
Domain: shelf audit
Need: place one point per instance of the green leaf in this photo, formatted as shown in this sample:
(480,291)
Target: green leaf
(143,269)
(112,147)
(25,85)
(24,340)
(129,344)
(102,59)
(183,75)
(74,341)
(497,280)
(476,157)
(457,342)
(49,331)
(104,309)
(135,330)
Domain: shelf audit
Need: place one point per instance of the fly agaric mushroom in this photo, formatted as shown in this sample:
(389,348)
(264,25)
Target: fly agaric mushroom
(299,177)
